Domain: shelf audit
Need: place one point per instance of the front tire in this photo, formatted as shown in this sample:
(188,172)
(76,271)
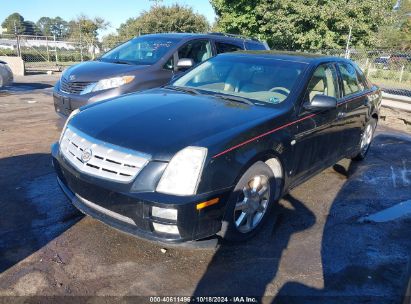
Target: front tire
(249,204)
(366,139)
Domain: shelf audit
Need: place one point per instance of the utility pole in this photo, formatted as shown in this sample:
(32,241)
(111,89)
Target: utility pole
(347,48)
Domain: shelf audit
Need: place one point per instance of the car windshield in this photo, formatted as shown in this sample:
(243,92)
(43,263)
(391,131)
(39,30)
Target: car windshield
(142,50)
(262,79)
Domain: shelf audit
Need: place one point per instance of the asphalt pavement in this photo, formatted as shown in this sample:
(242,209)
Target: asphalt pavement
(323,245)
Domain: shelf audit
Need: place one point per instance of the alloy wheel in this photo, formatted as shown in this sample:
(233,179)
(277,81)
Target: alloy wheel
(252,204)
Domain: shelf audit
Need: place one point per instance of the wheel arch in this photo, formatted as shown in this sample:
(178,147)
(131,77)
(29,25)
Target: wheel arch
(274,162)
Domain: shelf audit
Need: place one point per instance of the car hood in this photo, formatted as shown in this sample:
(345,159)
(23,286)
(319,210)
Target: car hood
(161,122)
(91,71)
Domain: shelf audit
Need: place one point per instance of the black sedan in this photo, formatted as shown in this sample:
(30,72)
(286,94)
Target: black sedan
(211,153)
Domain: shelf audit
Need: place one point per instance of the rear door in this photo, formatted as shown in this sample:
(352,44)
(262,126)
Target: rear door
(355,102)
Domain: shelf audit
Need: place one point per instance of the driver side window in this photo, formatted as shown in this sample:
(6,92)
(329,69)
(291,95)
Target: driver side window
(323,82)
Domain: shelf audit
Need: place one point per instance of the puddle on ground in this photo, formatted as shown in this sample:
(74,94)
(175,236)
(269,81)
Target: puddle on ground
(395,212)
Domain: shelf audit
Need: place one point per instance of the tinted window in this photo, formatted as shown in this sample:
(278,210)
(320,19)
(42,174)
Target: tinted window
(261,79)
(255,46)
(223,47)
(323,82)
(141,50)
(349,78)
(198,50)
(362,79)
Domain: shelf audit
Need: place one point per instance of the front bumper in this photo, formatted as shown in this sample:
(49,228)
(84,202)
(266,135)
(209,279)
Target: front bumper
(131,212)
(65,103)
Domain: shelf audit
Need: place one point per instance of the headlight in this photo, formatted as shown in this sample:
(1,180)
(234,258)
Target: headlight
(109,83)
(74,113)
(183,173)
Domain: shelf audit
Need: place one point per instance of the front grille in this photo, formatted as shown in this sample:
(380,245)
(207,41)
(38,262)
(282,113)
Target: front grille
(72,87)
(105,160)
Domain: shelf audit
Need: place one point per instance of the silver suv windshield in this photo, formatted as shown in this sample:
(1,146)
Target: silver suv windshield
(142,50)
(262,79)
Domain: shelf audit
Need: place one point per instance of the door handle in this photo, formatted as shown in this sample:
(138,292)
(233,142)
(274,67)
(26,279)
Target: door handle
(340,115)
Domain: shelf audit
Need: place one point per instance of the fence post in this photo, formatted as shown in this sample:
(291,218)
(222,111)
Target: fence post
(367,68)
(18,46)
(47,47)
(402,72)
(55,49)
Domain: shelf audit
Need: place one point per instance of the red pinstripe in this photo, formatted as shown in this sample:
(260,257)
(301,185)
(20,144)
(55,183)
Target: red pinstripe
(262,135)
(276,129)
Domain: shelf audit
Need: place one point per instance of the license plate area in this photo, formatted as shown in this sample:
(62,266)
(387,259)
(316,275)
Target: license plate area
(65,103)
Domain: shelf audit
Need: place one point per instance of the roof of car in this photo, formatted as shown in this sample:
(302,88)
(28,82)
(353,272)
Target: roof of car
(292,56)
(222,36)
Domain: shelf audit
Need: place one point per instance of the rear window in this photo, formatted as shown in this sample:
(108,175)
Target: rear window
(224,47)
(255,46)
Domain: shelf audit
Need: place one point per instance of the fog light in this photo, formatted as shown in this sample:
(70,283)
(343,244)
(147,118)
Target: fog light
(165,213)
(170,229)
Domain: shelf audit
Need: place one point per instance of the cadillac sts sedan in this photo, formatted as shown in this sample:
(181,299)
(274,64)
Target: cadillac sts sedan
(210,154)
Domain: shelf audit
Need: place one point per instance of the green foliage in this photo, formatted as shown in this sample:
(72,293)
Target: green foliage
(161,18)
(85,30)
(110,41)
(398,33)
(304,24)
(15,24)
(53,27)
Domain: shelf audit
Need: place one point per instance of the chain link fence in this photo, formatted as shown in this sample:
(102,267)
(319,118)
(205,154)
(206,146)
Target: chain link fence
(390,69)
(45,53)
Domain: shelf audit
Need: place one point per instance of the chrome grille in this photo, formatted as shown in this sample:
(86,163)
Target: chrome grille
(105,161)
(71,87)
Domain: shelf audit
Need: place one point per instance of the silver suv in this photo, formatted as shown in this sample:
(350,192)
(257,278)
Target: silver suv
(141,63)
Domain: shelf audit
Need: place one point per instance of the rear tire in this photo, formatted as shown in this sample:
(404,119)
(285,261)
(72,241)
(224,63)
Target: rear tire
(366,139)
(249,204)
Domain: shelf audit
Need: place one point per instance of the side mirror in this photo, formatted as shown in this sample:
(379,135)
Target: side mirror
(185,64)
(321,102)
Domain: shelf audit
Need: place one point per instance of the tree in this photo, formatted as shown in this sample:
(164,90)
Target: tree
(398,33)
(85,30)
(110,41)
(53,26)
(31,29)
(161,18)
(304,24)
(14,24)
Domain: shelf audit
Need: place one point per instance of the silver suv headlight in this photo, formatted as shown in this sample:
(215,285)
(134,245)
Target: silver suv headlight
(109,83)
(183,173)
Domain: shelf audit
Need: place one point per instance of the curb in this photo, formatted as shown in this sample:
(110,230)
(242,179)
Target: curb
(399,98)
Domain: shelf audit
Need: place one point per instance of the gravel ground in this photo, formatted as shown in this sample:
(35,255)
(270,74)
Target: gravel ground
(319,247)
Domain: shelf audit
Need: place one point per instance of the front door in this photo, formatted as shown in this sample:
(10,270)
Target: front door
(318,135)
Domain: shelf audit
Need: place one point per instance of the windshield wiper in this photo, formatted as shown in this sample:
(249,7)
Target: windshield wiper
(120,62)
(114,61)
(183,89)
(234,98)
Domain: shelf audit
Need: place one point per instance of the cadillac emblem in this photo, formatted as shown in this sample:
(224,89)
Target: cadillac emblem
(86,155)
